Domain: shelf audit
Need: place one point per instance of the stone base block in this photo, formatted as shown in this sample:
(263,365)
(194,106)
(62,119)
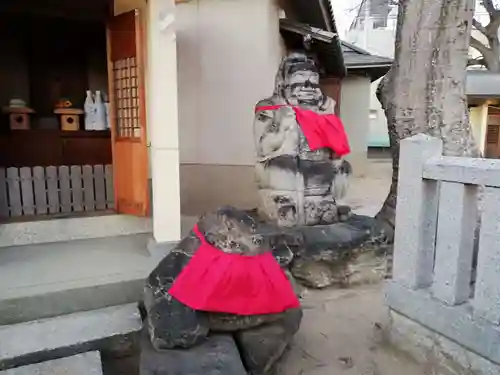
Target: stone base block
(436,353)
(216,356)
(48,339)
(81,364)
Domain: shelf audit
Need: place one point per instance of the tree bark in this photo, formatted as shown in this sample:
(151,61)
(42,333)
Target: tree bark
(424,92)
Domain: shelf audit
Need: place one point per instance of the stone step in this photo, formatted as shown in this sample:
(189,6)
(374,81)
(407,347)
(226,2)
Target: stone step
(81,364)
(67,335)
(68,229)
(46,280)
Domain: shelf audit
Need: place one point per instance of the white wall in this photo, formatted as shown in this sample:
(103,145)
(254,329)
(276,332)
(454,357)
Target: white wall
(354,111)
(479,124)
(378,42)
(228,53)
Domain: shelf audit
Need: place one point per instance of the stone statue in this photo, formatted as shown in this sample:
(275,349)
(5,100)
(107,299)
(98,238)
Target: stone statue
(297,186)
(296,225)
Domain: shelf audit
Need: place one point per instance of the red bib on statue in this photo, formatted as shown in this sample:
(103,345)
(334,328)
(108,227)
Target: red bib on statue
(215,281)
(320,130)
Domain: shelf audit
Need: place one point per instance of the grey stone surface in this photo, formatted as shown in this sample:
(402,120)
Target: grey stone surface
(170,323)
(474,171)
(327,252)
(81,364)
(436,353)
(457,323)
(457,220)
(46,280)
(263,346)
(216,356)
(61,230)
(36,341)
(160,250)
(417,213)
(487,290)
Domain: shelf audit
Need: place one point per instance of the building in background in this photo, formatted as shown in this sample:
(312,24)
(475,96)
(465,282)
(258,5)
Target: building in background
(374,29)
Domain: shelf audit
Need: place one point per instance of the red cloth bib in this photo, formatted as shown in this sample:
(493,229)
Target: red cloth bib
(321,131)
(215,281)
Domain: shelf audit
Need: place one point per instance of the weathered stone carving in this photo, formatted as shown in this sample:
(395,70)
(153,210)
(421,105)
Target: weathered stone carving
(297,186)
(173,326)
(298,220)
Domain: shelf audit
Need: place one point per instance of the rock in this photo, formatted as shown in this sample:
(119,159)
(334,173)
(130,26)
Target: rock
(232,323)
(367,268)
(320,274)
(297,287)
(81,364)
(283,254)
(174,325)
(170,323)
(261,347)
(218,355)
(335,242)
(328,254)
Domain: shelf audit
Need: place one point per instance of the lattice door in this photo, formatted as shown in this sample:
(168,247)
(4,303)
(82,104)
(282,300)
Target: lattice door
(492,141)
(128,114)
(128,122)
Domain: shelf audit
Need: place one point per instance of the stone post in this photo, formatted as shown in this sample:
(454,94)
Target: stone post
(416,216)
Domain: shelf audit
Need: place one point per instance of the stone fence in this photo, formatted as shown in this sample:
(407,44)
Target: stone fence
(444,298)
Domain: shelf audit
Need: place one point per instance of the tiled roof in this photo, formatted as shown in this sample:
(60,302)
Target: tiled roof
(318,14)
(483,83)
(355,57)
(361,62)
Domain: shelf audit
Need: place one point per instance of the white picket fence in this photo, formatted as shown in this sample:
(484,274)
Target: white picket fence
(446,273)
(52,190)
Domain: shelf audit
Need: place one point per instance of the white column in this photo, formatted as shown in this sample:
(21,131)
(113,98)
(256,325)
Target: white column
(163,119)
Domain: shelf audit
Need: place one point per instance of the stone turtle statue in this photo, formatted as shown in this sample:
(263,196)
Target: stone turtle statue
(298,185)
(173,325)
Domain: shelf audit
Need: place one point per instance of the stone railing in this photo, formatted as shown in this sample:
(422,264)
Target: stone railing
(446,275)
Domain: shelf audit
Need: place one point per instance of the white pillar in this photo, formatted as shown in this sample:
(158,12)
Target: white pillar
(162,118)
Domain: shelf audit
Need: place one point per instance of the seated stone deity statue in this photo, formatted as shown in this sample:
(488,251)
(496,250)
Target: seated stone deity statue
(299,145)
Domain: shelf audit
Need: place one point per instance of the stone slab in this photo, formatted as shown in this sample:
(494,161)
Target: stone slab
(46,280)
(457,323)
(216,356)
(81,364)
(69,229)
(436,353)
(36,341)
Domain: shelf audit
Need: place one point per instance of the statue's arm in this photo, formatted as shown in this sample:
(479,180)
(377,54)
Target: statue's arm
(328,106)
(267,134)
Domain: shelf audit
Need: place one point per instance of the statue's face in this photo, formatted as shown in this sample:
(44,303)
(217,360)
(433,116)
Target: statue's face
(302,87)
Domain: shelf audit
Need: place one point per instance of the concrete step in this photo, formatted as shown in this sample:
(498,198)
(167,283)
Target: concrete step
(45,280)
(48,339)
(42,280)
(68,229)
(81,364)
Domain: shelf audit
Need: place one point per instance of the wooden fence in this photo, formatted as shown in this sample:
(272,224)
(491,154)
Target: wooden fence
(52,190)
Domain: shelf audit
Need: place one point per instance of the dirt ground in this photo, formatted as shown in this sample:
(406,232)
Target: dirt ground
(342,333)
(366,194)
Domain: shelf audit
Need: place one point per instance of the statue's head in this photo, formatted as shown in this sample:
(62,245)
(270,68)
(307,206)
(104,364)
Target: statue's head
(297,81)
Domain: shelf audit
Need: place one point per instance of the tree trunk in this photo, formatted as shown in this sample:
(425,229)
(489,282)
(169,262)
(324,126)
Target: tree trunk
(424,92)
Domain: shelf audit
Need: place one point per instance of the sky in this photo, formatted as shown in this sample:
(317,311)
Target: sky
(344,14)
